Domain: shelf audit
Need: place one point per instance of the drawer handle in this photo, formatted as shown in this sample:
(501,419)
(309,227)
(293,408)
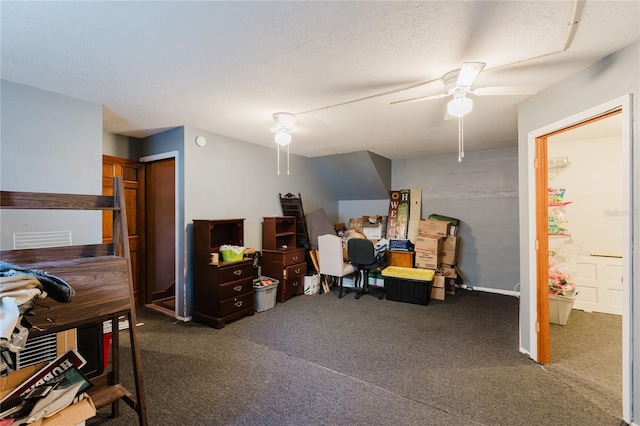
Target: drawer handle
(295,258)
(295,283)
(237,272)
(238,288)
(297,271)
(238,303)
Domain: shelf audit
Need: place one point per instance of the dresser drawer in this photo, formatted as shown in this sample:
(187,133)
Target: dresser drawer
(236,271)
(294,271)
(233,304)
(293,257)
(294,285)
(235,288)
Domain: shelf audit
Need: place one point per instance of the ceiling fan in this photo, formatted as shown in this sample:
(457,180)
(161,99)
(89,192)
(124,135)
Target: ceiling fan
(457,83)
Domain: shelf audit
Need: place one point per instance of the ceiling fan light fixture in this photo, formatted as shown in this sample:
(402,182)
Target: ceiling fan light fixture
(459,106)
(284,126)
(283,138)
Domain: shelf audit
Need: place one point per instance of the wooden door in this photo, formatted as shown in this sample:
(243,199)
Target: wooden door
(161,235)
(132,174)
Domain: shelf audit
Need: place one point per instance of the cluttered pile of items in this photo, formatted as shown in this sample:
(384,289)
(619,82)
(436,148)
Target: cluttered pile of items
(408,241)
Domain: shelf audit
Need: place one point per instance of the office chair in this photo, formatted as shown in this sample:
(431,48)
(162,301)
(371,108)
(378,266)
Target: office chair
(332,260)
(362,255)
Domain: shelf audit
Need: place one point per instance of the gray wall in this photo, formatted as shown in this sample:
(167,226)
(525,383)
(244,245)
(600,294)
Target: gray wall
(229,178)
(49,143)
(613,77)
(53,143)
(481,191)
(121,146)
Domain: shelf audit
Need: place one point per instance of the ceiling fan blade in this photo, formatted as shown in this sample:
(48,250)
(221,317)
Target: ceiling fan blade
(469,72)
(419,99)
(506,90)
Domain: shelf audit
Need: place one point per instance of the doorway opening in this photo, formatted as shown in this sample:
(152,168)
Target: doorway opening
(539,183)
(585,246)
(160,203)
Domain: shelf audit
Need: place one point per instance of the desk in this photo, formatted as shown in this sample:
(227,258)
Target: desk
(400,258)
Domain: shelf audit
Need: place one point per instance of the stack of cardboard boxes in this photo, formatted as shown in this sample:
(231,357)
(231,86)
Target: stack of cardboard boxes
(436,247)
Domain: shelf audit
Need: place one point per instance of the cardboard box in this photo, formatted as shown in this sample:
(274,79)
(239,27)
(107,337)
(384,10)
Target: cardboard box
(430,244)
(426,260)
(355,223)
(448,271)
(372,232)
(455,223)
(437,288)
(72,415)
(433,227)
(450,285)
(450,250)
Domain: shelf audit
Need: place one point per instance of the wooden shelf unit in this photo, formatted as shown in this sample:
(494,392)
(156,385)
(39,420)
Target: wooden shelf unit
(222,291)
(281,259)
(278,232)
(100,274)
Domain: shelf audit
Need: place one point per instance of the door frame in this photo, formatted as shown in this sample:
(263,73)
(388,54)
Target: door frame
(537,313)
(180,289)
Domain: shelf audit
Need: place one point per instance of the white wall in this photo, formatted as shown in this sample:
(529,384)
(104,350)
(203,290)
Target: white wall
(49,143)
(612,78)
(593,184)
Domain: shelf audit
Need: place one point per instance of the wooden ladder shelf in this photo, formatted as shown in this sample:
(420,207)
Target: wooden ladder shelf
(101,276)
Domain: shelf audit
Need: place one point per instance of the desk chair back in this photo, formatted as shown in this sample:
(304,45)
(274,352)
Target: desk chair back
(362,255)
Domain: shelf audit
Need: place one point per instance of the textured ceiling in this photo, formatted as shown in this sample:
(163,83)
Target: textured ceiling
(226,67)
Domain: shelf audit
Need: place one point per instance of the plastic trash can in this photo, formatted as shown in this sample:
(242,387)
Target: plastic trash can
(265,290)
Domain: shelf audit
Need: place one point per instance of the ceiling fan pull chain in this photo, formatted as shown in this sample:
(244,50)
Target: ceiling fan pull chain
(278,158)
(461,137)
(288,160)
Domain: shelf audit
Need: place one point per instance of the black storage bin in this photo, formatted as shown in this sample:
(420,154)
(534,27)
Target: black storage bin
(409,291)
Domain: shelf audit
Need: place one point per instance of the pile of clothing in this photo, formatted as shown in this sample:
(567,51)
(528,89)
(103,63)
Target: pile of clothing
(20,288)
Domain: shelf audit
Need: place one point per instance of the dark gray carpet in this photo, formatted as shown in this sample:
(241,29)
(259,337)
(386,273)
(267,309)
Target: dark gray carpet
(320,360)
(587,354)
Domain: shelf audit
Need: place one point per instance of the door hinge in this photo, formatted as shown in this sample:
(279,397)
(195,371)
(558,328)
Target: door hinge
(535,163)
(537,327)
(537,245)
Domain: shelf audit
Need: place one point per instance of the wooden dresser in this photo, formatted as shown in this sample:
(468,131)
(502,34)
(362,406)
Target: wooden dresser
(281,259)
(222,291)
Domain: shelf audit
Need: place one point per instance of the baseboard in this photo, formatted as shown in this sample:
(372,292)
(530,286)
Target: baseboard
(492,290)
